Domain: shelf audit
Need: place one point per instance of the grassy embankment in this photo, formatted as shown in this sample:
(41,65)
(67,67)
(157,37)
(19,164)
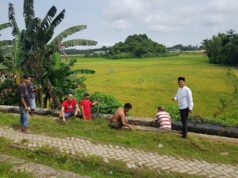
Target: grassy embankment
(98,131)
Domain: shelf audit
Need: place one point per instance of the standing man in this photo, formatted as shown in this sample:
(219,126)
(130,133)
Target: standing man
(185,102)
(32,95)
(23,103)
(118,120)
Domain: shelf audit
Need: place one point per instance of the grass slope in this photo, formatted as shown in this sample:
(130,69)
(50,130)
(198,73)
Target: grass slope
(147,83)
(98,131)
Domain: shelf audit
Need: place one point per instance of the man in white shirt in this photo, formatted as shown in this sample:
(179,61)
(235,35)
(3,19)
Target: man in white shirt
(185,102)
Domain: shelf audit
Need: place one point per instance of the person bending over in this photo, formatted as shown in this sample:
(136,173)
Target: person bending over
(163,119)
(69,108)
(119,120)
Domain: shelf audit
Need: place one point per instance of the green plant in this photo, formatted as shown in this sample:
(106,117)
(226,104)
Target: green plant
(8,92)
(174,112)
(107,104)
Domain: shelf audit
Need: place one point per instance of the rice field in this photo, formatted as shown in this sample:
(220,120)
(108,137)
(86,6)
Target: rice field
(148,83)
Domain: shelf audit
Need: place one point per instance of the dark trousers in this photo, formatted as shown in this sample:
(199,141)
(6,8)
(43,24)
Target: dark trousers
(184,118)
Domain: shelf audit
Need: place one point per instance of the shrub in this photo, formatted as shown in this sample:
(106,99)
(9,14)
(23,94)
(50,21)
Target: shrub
(222,48)
(8,92)
(107,104)
(174,112)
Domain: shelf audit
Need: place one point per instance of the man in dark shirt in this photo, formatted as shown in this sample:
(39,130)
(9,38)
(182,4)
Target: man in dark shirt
(23,103)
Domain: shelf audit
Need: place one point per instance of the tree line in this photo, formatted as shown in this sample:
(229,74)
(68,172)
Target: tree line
(137,46)
(222,48)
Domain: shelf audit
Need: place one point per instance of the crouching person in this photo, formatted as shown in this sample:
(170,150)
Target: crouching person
(118,120)
(69,108)
(163,119)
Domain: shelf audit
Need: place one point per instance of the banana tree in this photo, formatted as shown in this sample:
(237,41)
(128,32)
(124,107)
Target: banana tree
(36,52)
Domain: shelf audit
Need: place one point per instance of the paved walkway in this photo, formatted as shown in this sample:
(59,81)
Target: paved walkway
(37,170)
(132,157)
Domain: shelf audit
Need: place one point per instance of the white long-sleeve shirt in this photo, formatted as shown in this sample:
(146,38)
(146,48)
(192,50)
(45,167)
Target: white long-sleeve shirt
(184,98)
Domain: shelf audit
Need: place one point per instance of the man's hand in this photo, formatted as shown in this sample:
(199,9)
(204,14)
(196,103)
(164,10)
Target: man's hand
(27,109)
(190,111)
(173,99)
(76,113)
(127,127)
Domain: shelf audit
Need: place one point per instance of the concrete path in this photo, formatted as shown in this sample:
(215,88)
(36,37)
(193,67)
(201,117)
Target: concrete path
(132,157)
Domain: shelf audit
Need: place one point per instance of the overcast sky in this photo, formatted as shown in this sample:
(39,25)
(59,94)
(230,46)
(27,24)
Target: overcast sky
(168,22)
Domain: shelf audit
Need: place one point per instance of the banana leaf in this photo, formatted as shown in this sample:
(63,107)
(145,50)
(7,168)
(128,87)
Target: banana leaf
(57,61)
(79,42)
(68,32)
(3,67)
(4,26)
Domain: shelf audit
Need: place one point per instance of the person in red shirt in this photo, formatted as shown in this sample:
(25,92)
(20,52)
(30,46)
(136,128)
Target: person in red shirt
(86,107)
(69,108)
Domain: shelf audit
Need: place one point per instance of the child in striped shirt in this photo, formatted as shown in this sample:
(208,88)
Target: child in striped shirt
(163,119)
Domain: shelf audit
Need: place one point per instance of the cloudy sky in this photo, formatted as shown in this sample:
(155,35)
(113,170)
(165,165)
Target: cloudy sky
(168,22)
